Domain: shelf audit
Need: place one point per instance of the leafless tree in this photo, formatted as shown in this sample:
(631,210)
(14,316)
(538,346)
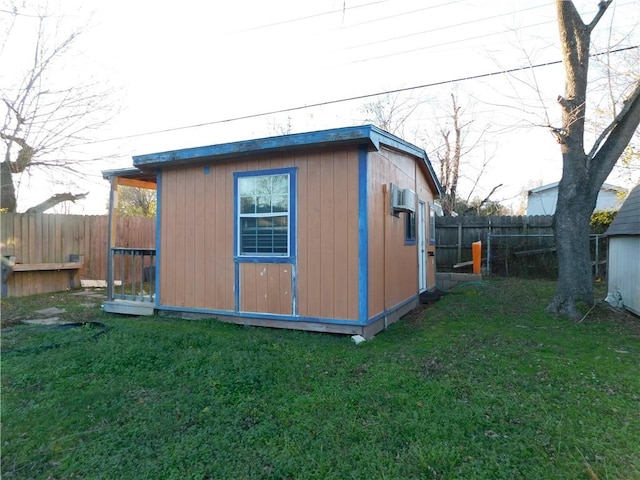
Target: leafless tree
(583,171)
(390,112)
(45,117)
(454,143)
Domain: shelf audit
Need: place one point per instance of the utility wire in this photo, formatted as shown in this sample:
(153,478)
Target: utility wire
(348,99)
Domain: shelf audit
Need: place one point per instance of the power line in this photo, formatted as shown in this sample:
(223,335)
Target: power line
(348,99)
(315,15)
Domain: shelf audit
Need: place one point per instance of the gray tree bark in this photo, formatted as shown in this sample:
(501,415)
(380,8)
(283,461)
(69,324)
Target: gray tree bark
(582,173)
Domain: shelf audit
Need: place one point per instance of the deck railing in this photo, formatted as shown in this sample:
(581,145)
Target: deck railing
(132,274)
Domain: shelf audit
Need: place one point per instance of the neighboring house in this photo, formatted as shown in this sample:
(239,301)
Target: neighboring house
(327,231)
(542,200)
(623,271)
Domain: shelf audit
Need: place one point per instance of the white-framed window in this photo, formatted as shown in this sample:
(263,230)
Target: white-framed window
(264,213)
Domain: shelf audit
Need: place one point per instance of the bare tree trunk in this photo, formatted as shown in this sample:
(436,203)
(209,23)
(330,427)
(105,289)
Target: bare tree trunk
(55,200)
(583,173)
(8,192)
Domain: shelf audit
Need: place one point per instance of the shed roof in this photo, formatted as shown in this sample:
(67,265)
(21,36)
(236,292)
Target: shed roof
(368,135)
(627,221)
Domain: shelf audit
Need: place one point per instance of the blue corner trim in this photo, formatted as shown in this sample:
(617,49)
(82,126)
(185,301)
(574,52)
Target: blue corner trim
(158,232)
(363,237)
(389,311)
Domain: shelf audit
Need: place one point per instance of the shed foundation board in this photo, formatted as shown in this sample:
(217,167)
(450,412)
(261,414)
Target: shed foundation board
(127,307)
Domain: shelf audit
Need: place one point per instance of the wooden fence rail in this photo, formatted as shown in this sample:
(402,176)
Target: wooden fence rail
(511,245)
(454,235)
(38,242)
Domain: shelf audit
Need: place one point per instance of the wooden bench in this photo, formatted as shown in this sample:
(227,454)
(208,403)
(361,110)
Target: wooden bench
(9,267)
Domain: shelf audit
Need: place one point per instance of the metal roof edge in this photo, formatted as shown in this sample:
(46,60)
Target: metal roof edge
(380,136)
(357,134)
(362,134)
(118,172)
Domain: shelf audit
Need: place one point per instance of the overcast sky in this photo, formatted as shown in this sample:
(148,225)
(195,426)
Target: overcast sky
(180,64)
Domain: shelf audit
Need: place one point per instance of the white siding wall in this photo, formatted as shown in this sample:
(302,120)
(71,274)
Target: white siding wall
(624,270)
(544,202)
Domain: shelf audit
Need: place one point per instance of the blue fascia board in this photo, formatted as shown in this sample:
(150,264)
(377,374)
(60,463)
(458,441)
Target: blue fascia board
(130,172)
(359,134)
(368,135)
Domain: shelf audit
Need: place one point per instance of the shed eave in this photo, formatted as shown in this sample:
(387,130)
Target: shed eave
(348,135)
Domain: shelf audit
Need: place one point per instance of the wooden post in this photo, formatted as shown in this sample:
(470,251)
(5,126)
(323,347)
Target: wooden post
(111,243)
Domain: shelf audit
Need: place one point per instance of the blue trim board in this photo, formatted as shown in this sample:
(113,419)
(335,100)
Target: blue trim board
(365,135)
(289,318)
(363,236)
(316,139)
(158,231)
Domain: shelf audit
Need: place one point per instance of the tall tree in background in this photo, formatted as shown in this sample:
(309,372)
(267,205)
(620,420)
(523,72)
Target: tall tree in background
(583,173)
(44,117)
(455,141)
(391,112)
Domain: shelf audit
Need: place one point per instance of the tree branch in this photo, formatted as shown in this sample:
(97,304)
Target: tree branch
(602,7)
(55,200)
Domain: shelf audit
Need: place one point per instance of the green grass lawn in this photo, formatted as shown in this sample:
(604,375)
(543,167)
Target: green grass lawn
(480,385)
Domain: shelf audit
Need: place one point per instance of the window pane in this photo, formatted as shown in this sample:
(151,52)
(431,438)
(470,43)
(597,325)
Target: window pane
(246,186)
(280,203)
(267,235)
(247,205)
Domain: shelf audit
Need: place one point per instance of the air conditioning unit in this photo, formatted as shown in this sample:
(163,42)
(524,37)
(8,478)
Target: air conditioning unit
(402,199)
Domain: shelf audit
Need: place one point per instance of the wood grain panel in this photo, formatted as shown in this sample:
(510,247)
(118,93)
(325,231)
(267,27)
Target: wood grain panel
(327,205)
(309,266)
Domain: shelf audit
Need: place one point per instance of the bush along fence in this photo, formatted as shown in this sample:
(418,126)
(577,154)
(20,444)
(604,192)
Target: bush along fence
(44,253)
(511,246)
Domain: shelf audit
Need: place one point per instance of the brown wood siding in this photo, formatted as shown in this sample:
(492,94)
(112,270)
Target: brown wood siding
(393,266)
(197,268)
(327,274)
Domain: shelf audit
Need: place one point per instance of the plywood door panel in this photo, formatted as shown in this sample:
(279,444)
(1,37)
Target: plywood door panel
(265,288)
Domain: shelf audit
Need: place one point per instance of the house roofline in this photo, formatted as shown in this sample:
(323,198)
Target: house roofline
(549,186)
(369,135)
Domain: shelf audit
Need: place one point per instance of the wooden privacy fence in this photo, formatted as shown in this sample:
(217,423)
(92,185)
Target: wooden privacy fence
(511,245)
(46,253)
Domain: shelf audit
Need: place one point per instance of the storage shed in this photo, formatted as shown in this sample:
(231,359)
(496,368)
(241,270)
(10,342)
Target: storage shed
(329,231)
(623,277)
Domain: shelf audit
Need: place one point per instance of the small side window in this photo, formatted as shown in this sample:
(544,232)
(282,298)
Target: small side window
(410,228)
